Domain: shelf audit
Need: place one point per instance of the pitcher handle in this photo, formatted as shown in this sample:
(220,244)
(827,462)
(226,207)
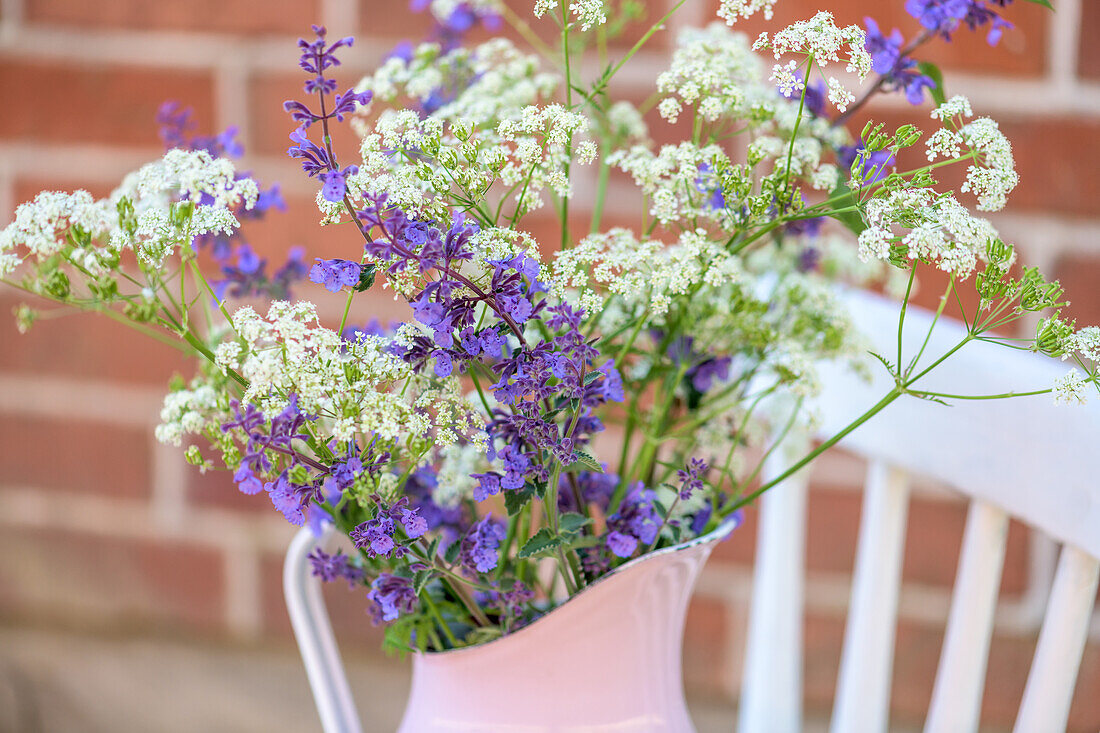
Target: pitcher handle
(312,629)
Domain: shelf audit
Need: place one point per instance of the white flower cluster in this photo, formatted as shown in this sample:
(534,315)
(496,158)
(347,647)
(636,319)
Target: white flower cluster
(540,138)
(496,80)
(713,71)
(190,412)
(731,10)
(802,159)
(358,388)
(587,12)
(418,163)
(454,477)
(993,175)
(626,124)
(676,182)
(941,230)
(1072,389)
(644,275)
(210,184)
(193,174)
(819,38)
(1086,342)
(40,227)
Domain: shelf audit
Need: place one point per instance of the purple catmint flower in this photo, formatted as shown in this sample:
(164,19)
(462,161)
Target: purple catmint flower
(480,549)
(414,524)
(345,473)
(246,481)
(636,519)
(941,16)
(509,602)
(805,227)
(885,50)
(516,466)
(391,596)
(334,183)
(336,274)
(488,484)
(809,259)
(375,535)
(623,545)
(691,477)
(703,374)
(271,198)
(443,363)
(817,96)
(286,500)
(333,567)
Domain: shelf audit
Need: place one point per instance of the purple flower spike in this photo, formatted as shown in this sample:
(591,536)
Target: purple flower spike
(691,477)
(623,545)
(335,274)
(391,596)
(885,51)
(480,549)
(414,524)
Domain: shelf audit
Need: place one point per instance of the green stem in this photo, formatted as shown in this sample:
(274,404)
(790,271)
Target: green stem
(434,610)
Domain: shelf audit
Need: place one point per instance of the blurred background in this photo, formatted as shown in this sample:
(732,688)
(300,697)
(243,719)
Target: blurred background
(136,594)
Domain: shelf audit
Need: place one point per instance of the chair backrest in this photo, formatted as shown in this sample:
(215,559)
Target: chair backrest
(1023,458)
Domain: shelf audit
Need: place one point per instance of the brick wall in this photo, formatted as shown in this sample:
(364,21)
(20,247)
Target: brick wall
(102,528)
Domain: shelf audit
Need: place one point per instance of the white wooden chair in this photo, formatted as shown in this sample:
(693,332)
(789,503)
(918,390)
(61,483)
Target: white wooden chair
(1023,457)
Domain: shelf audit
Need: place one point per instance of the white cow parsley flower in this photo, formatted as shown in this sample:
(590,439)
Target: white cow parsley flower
(820,38)
(1071,389)
(731,10)
(1086,342)
(713,70)
(588,12)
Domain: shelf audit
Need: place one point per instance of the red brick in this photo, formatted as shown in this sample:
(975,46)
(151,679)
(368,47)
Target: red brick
(706,643)
(392,20)
(83,345)
(932,541)
(1021,52)
(59,102)
(271,125)
(1088,61)
(740,548)
(216,489)
(106,582)
(1084,714)
(916,658)
(75,456)
(1079,275)
(1052,155)
(216,16)
(347,608)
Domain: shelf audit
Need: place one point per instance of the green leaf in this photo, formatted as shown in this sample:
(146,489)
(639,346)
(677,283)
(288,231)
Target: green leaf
(572,522)
(420,579)
(1044,3)
(931,70)
(592,377)
(451,555)
(516,500)
(584,462)
(542,543)
(366,278)
(583,540)
(845,199)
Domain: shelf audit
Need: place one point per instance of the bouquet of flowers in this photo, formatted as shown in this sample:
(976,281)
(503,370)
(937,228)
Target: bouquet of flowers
(550,409)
